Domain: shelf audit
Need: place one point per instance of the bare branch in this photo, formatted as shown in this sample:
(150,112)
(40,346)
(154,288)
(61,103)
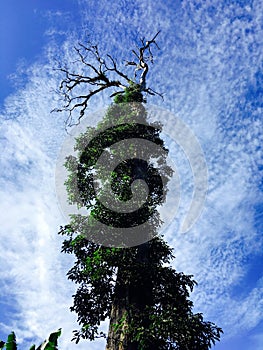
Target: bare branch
(115,69)
(117,93)
(95,69)
(143,65)
(152,92)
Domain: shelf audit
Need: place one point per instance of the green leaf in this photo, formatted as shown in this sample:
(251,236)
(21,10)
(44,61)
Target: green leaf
(11,342)
(52,342)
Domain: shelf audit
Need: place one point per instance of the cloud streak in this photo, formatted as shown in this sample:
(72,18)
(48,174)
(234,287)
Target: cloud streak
(209,67)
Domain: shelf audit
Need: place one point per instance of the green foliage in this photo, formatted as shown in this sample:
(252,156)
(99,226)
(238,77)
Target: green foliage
(11,342)
(170,321)
(50,344)
(140,279)
(145,298)
(131,94)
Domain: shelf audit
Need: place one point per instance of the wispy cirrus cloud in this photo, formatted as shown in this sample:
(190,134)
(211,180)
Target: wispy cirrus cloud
(209,67)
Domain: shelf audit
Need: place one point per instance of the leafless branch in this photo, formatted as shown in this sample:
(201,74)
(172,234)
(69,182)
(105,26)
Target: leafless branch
(98,71)
(142,64)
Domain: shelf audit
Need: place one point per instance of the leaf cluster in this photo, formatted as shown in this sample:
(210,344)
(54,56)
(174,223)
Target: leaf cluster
(139,284)
(167,320)
(50,344)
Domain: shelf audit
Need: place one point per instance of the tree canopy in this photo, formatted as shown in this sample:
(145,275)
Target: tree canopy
(135,286)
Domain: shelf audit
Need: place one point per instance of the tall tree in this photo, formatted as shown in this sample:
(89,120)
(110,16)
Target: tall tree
(146,300)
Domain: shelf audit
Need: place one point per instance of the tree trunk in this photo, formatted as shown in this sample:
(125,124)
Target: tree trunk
(117,336)
(133,292)
(130,294)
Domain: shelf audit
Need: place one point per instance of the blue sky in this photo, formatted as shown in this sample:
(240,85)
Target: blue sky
(23,24)
(210,66)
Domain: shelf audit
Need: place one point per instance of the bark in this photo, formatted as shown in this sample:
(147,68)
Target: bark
(117,337)
(132,296)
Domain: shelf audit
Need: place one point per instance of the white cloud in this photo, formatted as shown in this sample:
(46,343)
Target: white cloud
(33,271)
(208,59)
